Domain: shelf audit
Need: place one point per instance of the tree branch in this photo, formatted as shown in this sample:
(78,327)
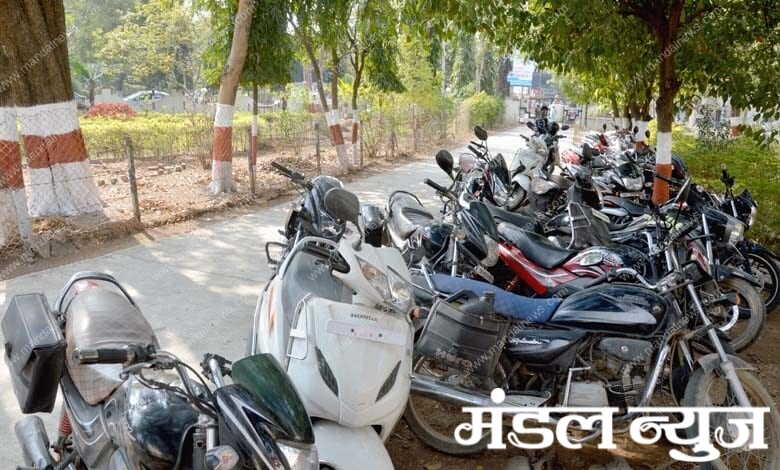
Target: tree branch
(689,19)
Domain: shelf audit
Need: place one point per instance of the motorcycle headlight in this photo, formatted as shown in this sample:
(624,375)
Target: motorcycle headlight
(299,457)
(735,231)
(633,184)
(376,278)
(402,298)
(392,287)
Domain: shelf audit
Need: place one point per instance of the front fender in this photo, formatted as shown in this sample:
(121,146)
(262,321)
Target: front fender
(722,272)
(523,180)
(344,448)
(753,247)
(711,363)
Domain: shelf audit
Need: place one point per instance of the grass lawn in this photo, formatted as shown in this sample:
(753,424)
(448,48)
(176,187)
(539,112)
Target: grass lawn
(752,167)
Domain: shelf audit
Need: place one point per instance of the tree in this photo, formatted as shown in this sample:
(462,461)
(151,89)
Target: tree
(319,26)
(269,58)
(373,53)
(88,21)
(154,45)
(681,33)
(35,37)
(222,154)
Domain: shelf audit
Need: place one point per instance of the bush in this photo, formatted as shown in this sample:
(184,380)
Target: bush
(122,111)
(753,167)
(485,110)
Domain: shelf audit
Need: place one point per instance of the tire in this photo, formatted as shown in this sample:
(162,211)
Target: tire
(701,390)
(419,422)
(515,198)
(752,316)
(767,270)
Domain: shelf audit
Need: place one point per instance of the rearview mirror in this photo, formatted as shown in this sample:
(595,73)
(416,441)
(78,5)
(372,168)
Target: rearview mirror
(481,133)
(445,161)
(617,128)
(530,125)
(342,205)
(605,127)
(565,128)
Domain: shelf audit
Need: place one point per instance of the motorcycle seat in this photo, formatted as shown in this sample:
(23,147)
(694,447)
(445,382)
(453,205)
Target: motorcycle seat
(102,318)
(519,220)
(407,214)
(507,304)
(633,209)
(535,247)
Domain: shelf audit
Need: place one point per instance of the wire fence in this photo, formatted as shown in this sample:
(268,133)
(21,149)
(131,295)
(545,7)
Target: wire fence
(123,176)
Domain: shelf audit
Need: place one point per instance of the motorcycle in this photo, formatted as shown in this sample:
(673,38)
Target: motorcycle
(123,408)
(612,345)
(754,258)
(336,315)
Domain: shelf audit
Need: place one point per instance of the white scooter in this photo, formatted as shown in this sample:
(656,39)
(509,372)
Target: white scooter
(336,315)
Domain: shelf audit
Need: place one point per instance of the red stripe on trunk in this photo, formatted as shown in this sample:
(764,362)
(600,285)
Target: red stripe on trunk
(42,152)
(223,144)
(661,187)
(336,135)
(11,175)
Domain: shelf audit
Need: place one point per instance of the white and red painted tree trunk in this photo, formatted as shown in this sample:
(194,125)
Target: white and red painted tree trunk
(222,152)
(14,219)
(59,179)
(38,75)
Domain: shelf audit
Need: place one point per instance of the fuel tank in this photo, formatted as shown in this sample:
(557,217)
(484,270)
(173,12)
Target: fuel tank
(621,308)
(543,348)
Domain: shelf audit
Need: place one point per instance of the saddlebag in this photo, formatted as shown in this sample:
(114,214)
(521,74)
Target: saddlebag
(471,342)
(34,352)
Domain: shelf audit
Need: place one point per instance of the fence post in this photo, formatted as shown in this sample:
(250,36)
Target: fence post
(131,178)
(317,147)
(250,158)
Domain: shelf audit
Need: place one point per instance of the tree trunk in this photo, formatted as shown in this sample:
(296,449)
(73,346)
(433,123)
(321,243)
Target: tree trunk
(735,120)
(14,219)
(35,37)
(222,153)
(356,157)
(334,116)
(665,113)
(253,149)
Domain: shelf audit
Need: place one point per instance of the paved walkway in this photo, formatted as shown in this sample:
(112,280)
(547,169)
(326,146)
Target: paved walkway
(199,290)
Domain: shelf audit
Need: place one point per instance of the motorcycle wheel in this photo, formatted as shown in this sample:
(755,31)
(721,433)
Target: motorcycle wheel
(434,422)
(515,198)
(767,272)
(746,329)
(712,391)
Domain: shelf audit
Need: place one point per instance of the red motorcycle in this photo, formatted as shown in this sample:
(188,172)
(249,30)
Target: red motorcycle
(535,266)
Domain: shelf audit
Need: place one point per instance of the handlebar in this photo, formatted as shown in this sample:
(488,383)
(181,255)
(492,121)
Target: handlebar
(294,176)
(475,151)
(436,186)
(130,354)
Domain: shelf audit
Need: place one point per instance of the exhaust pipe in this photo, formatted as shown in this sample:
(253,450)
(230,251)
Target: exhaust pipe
(31,434)
(430,388)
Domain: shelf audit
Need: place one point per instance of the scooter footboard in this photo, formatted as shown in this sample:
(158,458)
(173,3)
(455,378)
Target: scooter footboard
(344,448)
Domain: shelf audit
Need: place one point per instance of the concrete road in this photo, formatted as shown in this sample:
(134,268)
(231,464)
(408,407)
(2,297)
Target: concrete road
(199,290)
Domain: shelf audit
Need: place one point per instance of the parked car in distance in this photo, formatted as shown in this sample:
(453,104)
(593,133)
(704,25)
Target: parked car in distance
(81,101)
(146,95)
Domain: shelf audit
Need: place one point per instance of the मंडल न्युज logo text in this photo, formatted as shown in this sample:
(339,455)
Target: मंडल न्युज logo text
(731,428)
